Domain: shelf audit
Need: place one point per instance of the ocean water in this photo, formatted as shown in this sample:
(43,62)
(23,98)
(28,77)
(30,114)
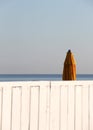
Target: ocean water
(39,77)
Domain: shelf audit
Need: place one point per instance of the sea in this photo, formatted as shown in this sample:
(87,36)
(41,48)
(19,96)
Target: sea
(40,77)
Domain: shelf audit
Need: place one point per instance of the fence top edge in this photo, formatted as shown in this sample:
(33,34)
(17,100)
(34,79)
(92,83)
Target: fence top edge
(45,82)
(24,83)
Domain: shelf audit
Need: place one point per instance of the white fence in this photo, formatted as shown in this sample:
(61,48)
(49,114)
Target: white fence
(46,105)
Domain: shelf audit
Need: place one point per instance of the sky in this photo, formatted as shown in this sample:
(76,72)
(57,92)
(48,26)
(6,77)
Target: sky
(35,35)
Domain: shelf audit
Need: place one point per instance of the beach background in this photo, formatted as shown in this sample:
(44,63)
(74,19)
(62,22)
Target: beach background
(36,35)
(39,77)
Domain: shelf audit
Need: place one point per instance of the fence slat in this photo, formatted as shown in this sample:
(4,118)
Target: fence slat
(43,108)
(78,111)
(63,108)
(85,108)
(25,108)
(35,108)
(1,106)
(16,108)
(54,108)
(6,112)
(90,118)
(70,108)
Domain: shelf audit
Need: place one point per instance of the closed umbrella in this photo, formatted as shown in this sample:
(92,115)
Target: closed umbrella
(69,69)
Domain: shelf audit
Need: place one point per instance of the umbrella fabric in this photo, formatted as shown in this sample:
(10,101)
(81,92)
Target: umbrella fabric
(69,70)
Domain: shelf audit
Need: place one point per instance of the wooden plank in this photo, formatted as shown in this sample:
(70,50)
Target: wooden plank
(43,117)
(16,108)
(63,105)
(70,107)
(35,108)
(1,106)
(63,112)
(6,112)
(78,108)
(48,101)
(85,107)
(54,108)
(25,107)
(90,115)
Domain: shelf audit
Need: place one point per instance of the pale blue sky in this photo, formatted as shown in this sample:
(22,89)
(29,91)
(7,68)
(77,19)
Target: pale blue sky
(36,34)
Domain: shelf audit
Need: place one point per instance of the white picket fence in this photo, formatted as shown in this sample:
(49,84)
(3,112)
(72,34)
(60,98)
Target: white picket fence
(46,105)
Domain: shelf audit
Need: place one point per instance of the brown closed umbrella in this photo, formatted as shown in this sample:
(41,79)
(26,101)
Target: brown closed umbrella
(69,70)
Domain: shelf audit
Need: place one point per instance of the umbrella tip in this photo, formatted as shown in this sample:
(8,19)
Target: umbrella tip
(69,51)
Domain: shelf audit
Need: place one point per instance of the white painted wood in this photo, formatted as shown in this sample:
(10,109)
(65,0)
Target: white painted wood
(70,107)
(43,108)
(6,112)
(54,108)
(63,105)
(90,105)
(35,108)
(16,108)
(45,105)
(1,106)
(85,107)
(25,108)
(48,101)
(78,108)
